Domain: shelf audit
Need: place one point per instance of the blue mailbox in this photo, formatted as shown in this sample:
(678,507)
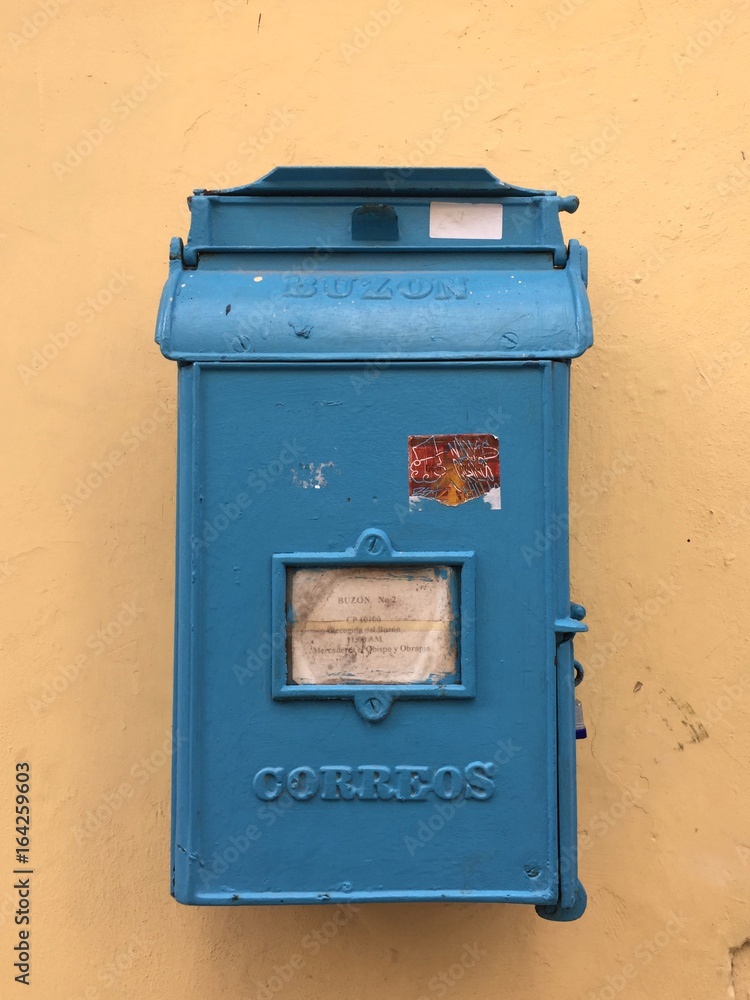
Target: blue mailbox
(374,681)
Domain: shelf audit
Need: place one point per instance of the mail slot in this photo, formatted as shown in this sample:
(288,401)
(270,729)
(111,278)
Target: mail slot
(374,670)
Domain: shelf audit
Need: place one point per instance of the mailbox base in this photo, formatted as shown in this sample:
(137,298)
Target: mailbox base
(550,911)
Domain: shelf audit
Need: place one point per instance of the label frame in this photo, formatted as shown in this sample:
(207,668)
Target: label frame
(373,701)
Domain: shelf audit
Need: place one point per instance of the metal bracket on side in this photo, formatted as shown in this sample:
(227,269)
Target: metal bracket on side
(567,628)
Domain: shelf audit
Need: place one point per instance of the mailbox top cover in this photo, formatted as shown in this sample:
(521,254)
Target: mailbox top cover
(367,263)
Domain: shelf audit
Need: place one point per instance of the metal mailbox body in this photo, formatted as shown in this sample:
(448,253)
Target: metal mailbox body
(374,665)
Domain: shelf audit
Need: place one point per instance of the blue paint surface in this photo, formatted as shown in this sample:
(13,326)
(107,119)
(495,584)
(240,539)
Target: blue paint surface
(308,355)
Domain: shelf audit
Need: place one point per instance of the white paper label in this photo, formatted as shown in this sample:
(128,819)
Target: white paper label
(465,221)
(372,625)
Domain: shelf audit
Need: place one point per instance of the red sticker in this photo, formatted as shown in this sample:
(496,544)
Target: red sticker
(455,468)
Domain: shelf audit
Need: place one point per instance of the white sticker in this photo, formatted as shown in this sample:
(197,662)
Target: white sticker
(452,220)
(375,625)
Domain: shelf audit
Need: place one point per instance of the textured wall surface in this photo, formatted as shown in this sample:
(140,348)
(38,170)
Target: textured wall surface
(112,113)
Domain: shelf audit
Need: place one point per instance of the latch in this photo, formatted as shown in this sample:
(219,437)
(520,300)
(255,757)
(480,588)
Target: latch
(566,629)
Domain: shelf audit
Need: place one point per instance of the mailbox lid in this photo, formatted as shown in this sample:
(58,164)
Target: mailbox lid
(354,263)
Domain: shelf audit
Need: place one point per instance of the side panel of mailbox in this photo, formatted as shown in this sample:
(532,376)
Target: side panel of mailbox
(184,736)
(547,554)
(558,535)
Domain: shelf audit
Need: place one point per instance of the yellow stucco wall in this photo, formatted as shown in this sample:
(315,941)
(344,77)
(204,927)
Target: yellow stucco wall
(112,113)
